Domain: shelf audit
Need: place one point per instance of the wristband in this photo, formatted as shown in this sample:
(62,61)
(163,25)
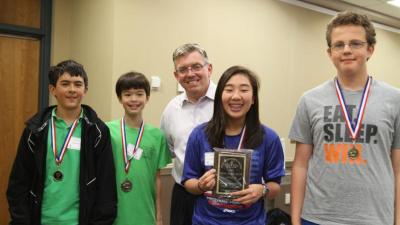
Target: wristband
(265,190)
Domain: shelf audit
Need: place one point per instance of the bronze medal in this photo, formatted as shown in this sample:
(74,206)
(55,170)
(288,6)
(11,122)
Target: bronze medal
(58,175)
(353,153)
(126,186)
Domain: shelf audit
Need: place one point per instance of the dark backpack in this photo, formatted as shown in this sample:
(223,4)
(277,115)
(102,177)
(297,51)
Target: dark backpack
(277,216)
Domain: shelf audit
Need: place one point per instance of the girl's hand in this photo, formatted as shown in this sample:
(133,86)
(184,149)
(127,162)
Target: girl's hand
(250,195)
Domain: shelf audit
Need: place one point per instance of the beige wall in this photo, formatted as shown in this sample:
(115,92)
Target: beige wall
(83,31)
(282,43)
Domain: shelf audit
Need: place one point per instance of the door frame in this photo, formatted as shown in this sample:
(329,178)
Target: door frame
(44,35)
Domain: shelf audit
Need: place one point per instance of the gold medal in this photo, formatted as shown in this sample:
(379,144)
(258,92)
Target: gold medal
(353,152)
(126,186)
(353,128)
(58,175)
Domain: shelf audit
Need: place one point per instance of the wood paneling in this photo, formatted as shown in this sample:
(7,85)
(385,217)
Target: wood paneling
(167,182)
(20,12)
(19,82)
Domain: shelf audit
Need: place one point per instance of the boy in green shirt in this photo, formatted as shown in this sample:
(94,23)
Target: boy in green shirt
(140,151)
(63,172)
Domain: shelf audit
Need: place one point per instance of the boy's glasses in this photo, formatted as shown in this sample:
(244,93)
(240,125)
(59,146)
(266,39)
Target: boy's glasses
(194,68)
(338,47)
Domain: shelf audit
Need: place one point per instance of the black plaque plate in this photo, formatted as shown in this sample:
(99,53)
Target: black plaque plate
(232,168)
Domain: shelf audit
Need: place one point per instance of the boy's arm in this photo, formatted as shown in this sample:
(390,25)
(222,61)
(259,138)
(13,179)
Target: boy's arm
(299,177)
(20,183)
(165,129)
(396,169)
(158,199)
(105,208)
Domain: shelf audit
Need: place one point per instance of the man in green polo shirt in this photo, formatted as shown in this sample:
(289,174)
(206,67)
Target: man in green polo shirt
(63,172)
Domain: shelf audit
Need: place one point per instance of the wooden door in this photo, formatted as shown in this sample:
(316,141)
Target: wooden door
(19,82)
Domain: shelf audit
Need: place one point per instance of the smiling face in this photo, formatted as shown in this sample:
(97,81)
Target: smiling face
(69,92)
(237,97)
(133,101)
(350,61)
(193,72)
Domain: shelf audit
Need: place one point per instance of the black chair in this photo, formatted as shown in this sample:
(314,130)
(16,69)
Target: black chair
(277,216)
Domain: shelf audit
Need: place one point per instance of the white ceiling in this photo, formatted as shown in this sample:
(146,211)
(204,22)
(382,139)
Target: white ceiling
(377,5)
(377,10)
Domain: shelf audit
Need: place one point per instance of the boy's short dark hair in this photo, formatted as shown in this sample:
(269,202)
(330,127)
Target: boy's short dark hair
(351,18)
(68,66)
(131,80)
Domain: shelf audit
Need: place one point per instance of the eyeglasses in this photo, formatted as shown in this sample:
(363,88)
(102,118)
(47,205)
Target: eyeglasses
(338,47)
(194,68)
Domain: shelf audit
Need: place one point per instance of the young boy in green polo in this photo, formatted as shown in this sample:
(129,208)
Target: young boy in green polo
(63,172)
(140,151)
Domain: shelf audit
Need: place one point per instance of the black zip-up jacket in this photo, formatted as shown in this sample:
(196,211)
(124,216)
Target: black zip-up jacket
(97,188)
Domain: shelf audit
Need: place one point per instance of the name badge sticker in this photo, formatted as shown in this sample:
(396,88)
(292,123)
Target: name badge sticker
(75,143)
(131,147)
(209,159)
(138,153)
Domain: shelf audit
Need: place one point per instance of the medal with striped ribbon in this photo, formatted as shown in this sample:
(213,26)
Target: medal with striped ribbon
(58,175)
(240,145)
(354,129)
(126,186)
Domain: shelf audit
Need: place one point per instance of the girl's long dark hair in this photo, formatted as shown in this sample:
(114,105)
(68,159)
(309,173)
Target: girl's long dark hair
(215,129)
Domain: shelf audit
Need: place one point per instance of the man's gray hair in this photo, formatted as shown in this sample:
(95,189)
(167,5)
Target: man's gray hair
(188,48)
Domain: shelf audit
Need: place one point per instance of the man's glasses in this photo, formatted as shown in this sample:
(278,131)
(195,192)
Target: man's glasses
(339,46)
(194,68)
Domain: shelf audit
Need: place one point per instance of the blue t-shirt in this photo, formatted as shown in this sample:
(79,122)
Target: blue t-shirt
(267,163)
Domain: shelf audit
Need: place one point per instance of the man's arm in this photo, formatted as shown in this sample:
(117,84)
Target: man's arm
(299,177)
(396,170)
(164,128)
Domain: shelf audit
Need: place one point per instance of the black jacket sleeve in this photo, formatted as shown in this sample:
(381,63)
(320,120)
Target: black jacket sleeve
(105,207)
(19,196)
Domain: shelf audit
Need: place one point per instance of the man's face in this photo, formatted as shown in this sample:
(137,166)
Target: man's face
(349,50)
(69,91)
(193,73)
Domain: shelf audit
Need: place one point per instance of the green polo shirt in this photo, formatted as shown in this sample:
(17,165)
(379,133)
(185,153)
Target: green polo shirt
(61,198)
(138,206)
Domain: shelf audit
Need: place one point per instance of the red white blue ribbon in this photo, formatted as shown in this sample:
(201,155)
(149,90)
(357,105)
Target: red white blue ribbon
(125,145)
(240,145)
(354,129)
(60,156)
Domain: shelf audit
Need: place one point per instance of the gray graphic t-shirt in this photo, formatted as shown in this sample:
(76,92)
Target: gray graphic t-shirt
(339,189)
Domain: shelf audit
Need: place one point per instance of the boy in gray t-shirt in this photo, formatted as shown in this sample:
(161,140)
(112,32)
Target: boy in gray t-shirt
(347,134)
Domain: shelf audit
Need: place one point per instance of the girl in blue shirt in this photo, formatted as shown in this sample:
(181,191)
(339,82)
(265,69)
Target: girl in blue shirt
(235,125)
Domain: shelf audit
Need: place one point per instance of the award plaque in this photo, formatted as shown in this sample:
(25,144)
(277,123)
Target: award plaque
(232,170)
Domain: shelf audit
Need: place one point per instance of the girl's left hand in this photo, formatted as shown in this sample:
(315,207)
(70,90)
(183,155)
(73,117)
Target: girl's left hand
(250,195)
